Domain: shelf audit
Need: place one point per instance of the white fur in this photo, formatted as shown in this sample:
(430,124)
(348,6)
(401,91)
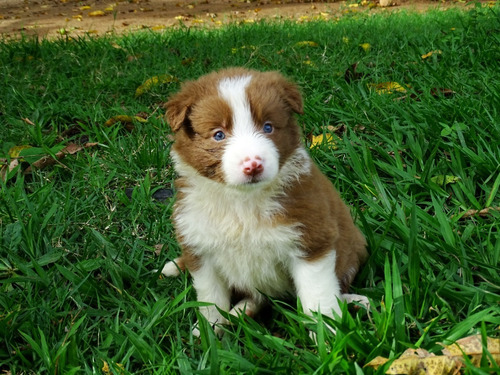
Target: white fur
(231,228)
(170,269)
(317,285)
(247,140)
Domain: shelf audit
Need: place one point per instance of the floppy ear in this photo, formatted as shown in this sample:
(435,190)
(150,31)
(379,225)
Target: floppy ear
(292,95)
(294,98)
(179,106)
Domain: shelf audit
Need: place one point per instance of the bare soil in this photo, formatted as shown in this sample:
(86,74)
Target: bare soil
(53,18)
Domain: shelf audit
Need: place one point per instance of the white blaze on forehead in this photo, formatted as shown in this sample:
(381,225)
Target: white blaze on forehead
(233,91)
(246,141)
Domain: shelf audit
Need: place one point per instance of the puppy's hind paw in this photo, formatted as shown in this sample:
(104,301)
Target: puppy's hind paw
(173,268)
(362,300)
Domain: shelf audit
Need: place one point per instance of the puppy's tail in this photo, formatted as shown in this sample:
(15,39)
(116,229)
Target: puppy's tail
(174,267)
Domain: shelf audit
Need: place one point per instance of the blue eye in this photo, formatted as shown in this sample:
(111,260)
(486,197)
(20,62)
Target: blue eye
(219,136)
(267,128)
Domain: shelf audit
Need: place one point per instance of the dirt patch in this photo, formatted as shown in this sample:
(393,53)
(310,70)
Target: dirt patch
(52,18)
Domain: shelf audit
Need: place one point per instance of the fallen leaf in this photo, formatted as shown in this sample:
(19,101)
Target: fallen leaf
(154,81)
(306,43)
(158,27)
(365,46)
(442,92)
(435,92)
(85,7)
(429,54)
(386,87)
(328,139)
(128,121)
(48,160)
(420,361)
(97,13)
(443,180)
(15,151)
(235,50)
(472,347)
(158,248)
(483,213)
(8,170)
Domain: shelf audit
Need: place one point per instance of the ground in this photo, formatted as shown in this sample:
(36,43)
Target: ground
(53,18)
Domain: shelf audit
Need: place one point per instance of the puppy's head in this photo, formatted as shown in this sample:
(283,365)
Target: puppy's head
(235,126)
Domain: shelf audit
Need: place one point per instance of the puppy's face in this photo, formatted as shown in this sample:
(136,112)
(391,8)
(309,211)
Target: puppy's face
(235,126)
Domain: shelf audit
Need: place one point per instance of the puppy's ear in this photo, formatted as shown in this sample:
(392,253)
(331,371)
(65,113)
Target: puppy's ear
(179,106)
(292,95)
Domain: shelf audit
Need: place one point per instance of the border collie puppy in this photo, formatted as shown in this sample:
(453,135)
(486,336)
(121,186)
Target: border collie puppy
(254,215)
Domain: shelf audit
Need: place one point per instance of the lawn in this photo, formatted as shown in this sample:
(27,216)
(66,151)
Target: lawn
(409,108)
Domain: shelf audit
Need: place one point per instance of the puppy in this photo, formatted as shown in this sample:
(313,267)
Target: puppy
(254,215)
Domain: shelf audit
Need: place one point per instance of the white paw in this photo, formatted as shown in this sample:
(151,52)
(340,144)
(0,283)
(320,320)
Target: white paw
(170,269)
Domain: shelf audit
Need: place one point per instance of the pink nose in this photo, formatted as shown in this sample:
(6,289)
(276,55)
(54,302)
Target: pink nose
(252,166)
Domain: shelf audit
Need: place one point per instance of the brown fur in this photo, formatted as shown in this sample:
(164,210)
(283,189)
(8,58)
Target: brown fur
(196,113)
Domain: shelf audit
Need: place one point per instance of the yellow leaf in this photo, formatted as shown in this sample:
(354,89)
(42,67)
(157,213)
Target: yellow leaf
(329,139)
(105,368)
(158,27)
(443,180)
(124,119)
(85,7)
(386,87)
(77,17)
(365,46)
(429,54)
(97,13)
(472,347)
(306,43)
(353,5)
(234,50)
(15,151)
(154,81)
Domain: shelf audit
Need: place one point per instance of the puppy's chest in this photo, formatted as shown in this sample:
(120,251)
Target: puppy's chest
(240,236)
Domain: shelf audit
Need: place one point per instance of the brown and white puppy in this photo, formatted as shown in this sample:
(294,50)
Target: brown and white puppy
(253,213)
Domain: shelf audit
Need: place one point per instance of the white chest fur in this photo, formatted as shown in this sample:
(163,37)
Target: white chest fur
(235,230)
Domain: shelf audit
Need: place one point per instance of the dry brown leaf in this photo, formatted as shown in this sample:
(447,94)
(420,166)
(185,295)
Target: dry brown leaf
(47,160)
(127,121)
(7,168)
(484,212)
(421,362)
(472,347)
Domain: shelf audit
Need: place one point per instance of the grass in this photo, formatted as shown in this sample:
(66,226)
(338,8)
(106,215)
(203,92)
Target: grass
(79,293)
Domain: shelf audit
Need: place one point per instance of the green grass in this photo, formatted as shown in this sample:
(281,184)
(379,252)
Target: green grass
(77,286)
